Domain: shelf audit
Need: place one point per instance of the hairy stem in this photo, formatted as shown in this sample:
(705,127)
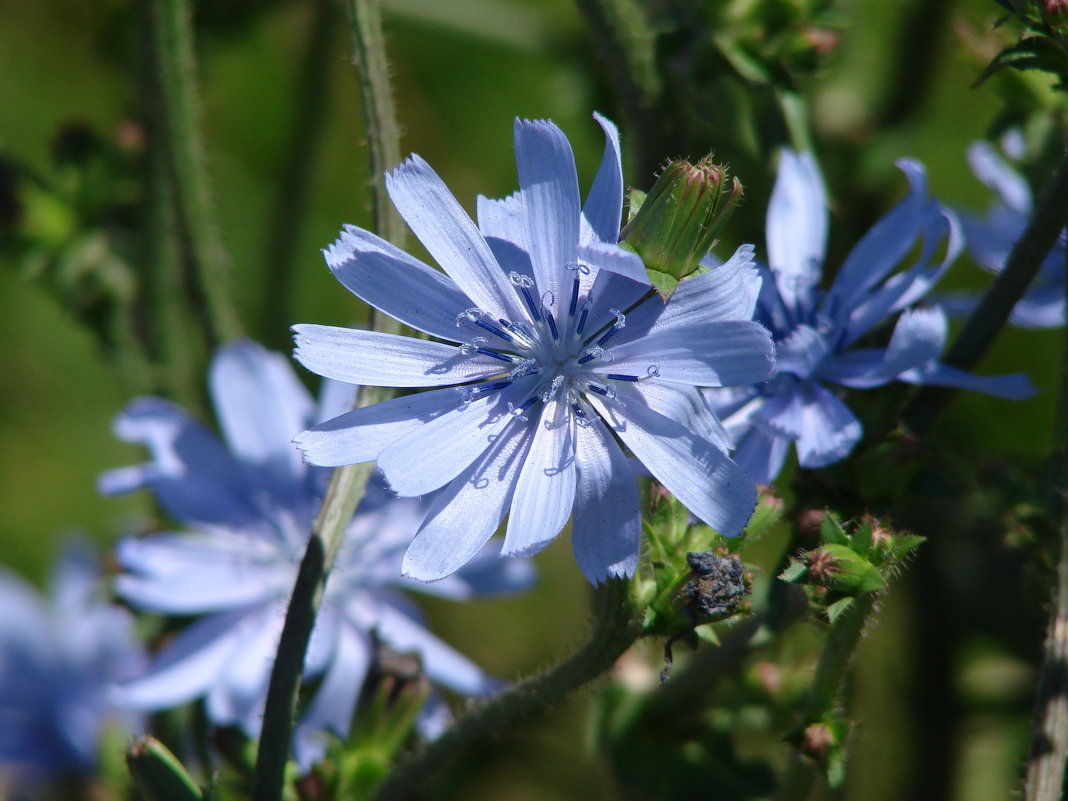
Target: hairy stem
(309,116)
(172,37)
(616,624)
(347,483)
(1050,216)
(826,689)
(1049,732)
(379,113)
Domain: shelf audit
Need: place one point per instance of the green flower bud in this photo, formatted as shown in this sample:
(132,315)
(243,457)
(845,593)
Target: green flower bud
(158,774)
(678,222)
(839,568)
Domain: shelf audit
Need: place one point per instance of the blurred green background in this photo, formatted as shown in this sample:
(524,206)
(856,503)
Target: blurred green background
(945,679)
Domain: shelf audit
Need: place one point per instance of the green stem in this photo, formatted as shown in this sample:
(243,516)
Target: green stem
(180,115)
(309,117)
(328,532)
(616,625)
(379,113)
(347,483)
(1049,736)
(823,695)
(1049,217)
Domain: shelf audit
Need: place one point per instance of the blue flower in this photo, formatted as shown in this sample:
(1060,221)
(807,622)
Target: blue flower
(59,657)
(990,240)
(249,506)
(816,332)
(554,345)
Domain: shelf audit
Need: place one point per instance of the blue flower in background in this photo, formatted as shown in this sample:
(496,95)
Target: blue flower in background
(59,657)
(991,239)
(554,346)
(817,332)
(248,506)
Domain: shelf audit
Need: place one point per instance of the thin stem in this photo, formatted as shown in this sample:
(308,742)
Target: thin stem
(1049,735)
(1050,216)
(309,117)
(180,116)
(616,625)
(328,532)
(823,695)
(379,113)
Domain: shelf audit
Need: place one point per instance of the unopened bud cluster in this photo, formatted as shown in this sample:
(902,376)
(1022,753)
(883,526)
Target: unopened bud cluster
(678,222)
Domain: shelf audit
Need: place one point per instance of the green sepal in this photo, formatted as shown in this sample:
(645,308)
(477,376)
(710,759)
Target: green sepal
(158,774)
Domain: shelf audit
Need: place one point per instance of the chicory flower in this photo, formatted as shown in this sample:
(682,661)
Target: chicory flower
(248,507)
(554,345)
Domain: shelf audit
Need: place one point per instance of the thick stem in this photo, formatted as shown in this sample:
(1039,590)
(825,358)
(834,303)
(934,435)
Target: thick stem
(1050,216)
(616,624)
(172,31)
(1049,733)
(309,115)
(379,113)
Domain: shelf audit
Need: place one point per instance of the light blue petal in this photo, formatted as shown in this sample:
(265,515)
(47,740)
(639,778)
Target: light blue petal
(450,237)
(260,405)
(782,413)
(829,431)
(1010,387)
(801,352)
(182,574)
(797,226)
(466,513)
(387,278)
(549,184)
(918,338)
(710,353)
(761,454)
(485,575)
(603,210)
(190,663)
(993,171)
(694,470)
(332,708)
(728,292)
(238,694)
(989,243)
(386,360)
(1039,311)
(192,475)
(606,530)
(685,405)
(362,434)
(437,452)
(614,259)
(545,491)
(504,225)
(884,245)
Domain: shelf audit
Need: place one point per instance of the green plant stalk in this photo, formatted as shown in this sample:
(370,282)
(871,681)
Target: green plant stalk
(328,532)
(347,484)
(1046,762)
(379,113)
(831,672)
(1049,217)
(172,37)
(290,205)
(616,624)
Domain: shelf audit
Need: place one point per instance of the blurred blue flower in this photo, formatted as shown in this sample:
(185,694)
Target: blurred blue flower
(563,347)
(991,239)
(249,506)
(816,333)
(59,657)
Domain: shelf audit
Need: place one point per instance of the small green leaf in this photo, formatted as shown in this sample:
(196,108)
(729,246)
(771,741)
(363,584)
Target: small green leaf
(831,531)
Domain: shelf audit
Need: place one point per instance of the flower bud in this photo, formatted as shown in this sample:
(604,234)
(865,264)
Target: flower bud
(158,774)
(839,568)
(678,222)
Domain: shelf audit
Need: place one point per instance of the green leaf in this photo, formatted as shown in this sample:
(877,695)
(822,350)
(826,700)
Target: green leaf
(839,608)
(831,531)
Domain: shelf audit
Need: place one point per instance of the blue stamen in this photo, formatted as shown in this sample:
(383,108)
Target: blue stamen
(530,303)
(582,319)
(611,332)
(494,330)
(494,354)
(552,324)
(621,377)
(598,389)
(574,297)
